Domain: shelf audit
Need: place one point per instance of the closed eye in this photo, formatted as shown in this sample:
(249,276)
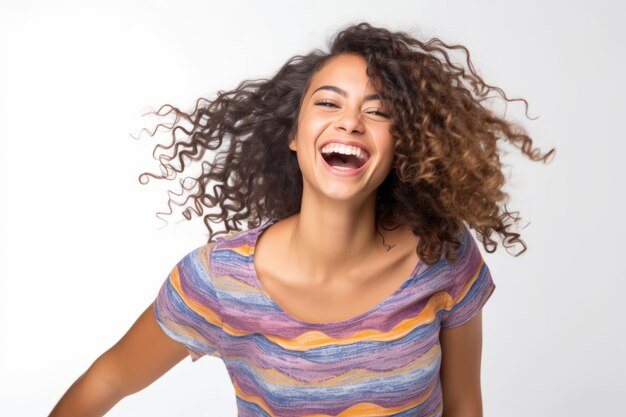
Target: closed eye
(331,104)
(326,103)
(379,113)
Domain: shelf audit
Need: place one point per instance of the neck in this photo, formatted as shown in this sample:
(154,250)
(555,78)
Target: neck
(333,239)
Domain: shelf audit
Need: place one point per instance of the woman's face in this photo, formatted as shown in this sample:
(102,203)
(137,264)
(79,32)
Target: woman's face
(343,142)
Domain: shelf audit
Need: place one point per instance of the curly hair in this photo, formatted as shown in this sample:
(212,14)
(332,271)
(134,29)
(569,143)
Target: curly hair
(446,169)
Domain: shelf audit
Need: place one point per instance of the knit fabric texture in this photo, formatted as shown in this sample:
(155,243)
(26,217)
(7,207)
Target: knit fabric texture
(383,362)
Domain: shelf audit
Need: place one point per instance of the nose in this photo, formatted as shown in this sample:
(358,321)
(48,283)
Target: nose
(350,121)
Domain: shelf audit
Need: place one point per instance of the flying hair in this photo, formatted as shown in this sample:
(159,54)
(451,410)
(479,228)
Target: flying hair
(446,170)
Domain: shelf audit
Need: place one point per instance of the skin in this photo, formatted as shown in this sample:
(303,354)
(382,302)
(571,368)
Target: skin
(139,358)
(325,245)
(461,351)
(316,262)
(334,232)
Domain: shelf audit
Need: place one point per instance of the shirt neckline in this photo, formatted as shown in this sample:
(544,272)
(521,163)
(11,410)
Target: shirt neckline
(419,268)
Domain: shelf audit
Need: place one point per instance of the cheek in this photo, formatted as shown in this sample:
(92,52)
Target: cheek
(390,154)
(386,143)
(311,123)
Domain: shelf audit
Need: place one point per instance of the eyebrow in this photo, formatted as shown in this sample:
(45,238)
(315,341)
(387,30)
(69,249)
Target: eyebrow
(344,93)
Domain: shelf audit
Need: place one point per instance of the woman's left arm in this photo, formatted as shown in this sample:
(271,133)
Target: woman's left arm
(460,369)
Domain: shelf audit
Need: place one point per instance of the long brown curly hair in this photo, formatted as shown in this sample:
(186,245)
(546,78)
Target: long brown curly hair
(447,167)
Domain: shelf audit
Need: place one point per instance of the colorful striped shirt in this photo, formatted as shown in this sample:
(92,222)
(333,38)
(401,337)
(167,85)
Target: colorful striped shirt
(383,362)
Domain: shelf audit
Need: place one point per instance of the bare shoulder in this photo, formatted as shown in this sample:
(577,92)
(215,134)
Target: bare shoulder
(268,255)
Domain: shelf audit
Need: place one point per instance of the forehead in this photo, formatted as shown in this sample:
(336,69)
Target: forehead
(347,71)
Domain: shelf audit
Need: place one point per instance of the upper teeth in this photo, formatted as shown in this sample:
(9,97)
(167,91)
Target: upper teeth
(345,150)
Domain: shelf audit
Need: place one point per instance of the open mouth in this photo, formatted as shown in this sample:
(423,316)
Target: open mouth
(339,159)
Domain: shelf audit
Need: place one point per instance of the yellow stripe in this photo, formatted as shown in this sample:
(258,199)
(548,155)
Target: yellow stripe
(315,338)
(245,249)
(373,410)
(204,311)
(354,376)
(252,399)
(363,409)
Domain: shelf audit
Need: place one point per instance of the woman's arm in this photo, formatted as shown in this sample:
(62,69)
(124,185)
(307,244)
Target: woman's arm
(460,369)
(139,358)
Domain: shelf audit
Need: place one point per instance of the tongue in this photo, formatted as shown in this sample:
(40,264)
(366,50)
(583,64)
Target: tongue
(343,161)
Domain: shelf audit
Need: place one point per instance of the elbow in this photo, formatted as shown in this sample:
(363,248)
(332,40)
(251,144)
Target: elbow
(89,396)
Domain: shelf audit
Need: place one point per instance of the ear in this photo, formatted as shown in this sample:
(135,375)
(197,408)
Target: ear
(292,143)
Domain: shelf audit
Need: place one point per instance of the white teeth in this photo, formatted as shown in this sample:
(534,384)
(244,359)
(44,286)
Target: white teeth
(345,150)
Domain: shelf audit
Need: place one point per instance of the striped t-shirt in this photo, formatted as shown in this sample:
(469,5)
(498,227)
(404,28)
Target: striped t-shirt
(384,362)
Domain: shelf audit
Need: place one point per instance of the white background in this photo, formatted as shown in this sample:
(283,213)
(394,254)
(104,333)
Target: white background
(83,253)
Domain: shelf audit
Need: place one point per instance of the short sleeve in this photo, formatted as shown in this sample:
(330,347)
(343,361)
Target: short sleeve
(470,285)
(187,305)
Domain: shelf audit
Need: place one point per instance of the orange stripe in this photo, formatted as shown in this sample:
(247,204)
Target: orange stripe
(315,338)
(204,311)
(275,377)
(364,409)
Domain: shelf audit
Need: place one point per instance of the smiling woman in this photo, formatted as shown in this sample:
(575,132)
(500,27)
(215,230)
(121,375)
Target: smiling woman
(340,115)
(357,287)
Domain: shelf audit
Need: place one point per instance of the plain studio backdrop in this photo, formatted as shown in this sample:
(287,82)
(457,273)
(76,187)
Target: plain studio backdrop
(83,253)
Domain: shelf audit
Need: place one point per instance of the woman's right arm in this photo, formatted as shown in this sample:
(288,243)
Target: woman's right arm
(139,358)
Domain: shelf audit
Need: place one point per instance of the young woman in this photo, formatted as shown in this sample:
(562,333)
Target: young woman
(357,287)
